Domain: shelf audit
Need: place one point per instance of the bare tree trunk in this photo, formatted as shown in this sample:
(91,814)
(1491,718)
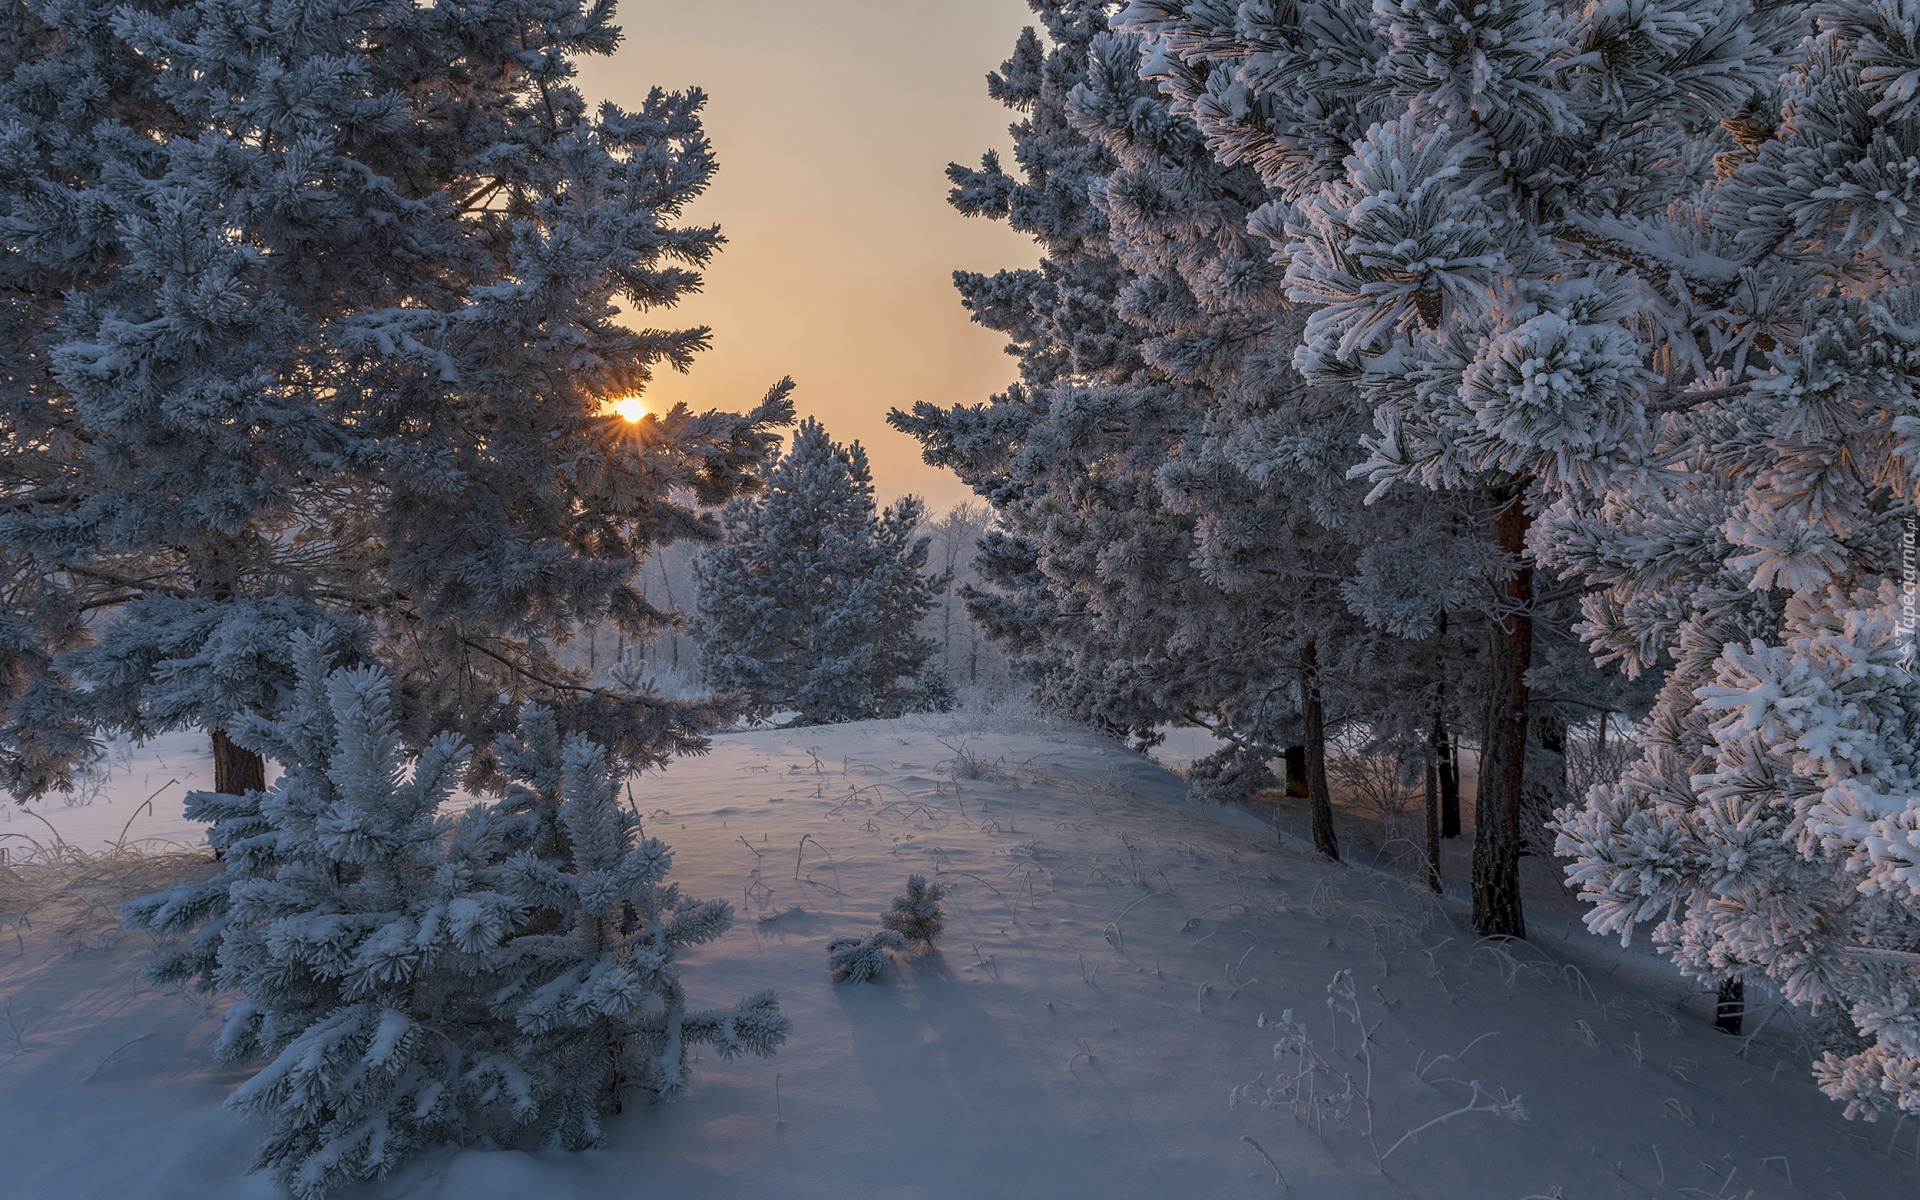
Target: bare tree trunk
(1450,789)
(1730,1006)
(1503,762)
(1296,759)
(1549,728)
(236,771)
(1437,748)
(1433,825)
(1319,800)
(1446,749)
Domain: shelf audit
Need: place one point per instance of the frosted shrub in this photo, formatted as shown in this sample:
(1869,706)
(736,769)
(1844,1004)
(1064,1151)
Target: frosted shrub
(915,913)
(415,978)
(856,960)
(1232,773)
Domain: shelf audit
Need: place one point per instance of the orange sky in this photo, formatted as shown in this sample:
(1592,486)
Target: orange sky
(833,122)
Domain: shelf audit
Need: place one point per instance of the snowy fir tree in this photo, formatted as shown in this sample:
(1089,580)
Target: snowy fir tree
(1433,168)
(915,913)
(1647,272)
(310,323)
(813,599)
(1114,366)
(1178,539)
(415,978)
(856,960)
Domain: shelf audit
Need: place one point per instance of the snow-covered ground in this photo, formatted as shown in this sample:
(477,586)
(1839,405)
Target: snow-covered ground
(1117,962)
(134,795)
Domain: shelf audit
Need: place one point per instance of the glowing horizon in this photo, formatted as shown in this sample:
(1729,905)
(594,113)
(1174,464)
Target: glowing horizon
(833,124)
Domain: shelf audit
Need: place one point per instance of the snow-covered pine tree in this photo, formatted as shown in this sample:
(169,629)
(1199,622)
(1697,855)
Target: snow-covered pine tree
(813,599)
(1772,828)
(1661,259)
(1089,587)
(592,987)
(1465,193)
(915,913)
(309,322)
(1179,538)
(416,978)
(855,960)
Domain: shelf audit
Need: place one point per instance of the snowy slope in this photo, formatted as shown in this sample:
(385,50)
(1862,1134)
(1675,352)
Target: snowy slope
(1110,952)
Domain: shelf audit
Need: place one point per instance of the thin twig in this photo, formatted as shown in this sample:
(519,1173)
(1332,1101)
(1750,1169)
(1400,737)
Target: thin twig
(1278,1177)
(116,1054)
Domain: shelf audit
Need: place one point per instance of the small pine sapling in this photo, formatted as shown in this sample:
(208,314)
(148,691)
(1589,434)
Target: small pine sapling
(413,978)
(915,914)
(856,960)
(593,990)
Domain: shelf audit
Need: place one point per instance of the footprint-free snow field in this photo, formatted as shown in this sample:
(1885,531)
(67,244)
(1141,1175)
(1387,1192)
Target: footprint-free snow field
(1136,996)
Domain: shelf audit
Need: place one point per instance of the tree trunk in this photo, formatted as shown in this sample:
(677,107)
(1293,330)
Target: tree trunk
(1549,728)
(1436,760)
(1319,800)
(1503,756)
(1730,1006)
(1433,824)
(1296,758)
(236,771)
(1446,750)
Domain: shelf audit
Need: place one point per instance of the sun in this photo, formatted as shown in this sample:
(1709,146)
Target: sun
(631,410)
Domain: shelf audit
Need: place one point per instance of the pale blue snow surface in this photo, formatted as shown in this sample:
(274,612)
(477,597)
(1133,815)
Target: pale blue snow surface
(1110,949)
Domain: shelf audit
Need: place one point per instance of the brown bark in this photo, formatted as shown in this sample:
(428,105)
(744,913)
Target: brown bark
(1496,814)
(1319,799)
(236,771)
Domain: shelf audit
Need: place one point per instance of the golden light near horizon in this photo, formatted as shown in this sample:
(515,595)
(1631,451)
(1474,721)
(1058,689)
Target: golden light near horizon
(632,410)
(841,246)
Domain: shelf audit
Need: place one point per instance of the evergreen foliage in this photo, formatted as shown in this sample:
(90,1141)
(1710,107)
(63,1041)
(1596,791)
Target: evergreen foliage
(812,601)
(858,959)
(1178,539)
(1649,271)
(309,323)
(414,977)
(915,913)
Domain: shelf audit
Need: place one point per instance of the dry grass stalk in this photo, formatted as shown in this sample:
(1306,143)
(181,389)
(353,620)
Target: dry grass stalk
(58,888)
